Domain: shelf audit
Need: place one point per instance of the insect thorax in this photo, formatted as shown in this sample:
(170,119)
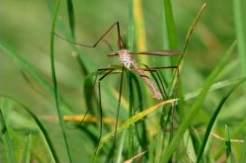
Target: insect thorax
(125,57)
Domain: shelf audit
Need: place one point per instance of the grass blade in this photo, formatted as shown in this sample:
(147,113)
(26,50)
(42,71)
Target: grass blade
(196,106)
(168,27)
(53,71)
(212,120)
(27,154)
(243,156)
(169,35)
(214,87)
(240,23)
(41,127)
(131,121)
(228,146)
(191,30)
(189,146)
(33,72)
(71,17)
(6,139)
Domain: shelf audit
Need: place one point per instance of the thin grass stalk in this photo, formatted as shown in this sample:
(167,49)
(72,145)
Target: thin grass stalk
(240,24)
(6,139)
(243,155)
(169,34)
(228,146)
(236,133)
(131,121)
(43,130)
(34,74)
(213,119)
(71,18)
(27,153)
(53,71)
(130,113)
(196,106)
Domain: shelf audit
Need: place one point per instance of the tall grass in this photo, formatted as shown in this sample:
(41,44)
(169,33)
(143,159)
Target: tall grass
(148,130)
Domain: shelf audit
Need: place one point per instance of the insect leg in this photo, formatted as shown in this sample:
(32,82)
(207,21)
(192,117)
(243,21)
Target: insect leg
(100,38)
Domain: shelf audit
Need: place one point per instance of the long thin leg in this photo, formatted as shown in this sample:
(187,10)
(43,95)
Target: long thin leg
(118,111)
(120,42)
(175,88)
(110,70)
(107,72)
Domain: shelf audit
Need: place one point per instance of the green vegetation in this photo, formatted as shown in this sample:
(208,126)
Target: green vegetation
(46,82)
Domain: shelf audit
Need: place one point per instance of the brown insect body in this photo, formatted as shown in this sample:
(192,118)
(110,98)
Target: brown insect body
(127,61)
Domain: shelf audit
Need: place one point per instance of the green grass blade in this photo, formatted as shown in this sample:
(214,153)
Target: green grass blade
(33,72)
(41,127)
(196,106)
(169,35)
(240,23)
(189,146)
(53,71)
(240,129)
(191,30)
(243,156)
(120,147)
(27,154)
(130,113)
(215,87)
(131,121)
(6,139)
(168,26)
(71,17)
(228,146)
(212,120)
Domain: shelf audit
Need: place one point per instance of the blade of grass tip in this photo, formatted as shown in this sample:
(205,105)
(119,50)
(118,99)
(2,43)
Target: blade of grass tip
(197,104)
(189,33)
(71,17)
(131,121)
(213,118)
(238,131)
(228,146)
(169,34)
(6,139)
(27,154)
(73,37)
(53,71)
(240,24)
(243,156)
(189,146)
(214,87)
(43,130)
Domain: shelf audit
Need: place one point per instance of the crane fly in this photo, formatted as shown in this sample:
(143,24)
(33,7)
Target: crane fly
(126,59)
(128,62)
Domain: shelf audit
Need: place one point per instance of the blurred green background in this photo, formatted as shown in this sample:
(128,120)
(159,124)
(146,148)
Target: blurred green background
(26,26)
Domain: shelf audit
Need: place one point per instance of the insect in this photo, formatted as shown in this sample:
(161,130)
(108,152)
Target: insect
(126,59)
(128,62)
